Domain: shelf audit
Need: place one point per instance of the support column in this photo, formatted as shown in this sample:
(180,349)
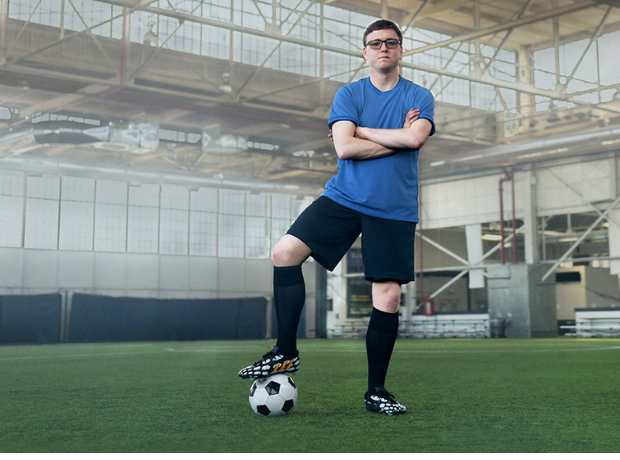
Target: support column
(614,241)
(530,220)
(4,13)
(473,234)
(519,297)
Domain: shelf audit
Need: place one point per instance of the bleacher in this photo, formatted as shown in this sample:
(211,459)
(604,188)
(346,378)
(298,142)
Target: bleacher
(351,328)
(439,325)
(447,325)
(596,323)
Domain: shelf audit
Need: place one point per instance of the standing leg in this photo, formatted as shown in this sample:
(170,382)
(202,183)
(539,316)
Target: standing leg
(382,331)
(380,339)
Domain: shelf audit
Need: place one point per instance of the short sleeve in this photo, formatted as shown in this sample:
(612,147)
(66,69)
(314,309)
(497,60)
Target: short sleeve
(344,107)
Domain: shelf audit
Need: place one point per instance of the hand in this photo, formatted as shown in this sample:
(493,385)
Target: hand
(411,117)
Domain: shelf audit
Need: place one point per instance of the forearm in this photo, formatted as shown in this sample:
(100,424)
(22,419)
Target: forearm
(354,148)
(349,147)
(395,139)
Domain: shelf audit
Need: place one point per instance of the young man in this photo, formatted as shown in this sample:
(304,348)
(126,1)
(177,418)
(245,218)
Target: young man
(378,124)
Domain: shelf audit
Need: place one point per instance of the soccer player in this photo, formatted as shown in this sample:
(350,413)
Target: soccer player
(378,125)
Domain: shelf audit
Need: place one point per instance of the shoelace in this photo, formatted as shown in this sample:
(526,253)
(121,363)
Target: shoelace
(389,397)
(269,355)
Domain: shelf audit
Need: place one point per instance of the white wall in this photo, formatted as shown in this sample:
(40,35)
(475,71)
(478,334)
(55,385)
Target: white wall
(559,190)
(72,234)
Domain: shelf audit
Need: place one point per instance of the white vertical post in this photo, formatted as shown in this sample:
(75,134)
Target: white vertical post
(473,234)
(530,220)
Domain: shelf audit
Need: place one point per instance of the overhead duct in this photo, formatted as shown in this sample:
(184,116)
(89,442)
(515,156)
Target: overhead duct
(16,143)
(53,133)
(143,136)
(565,145)
(214,141)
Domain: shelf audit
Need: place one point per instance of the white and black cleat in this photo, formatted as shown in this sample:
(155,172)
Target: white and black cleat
(271,363)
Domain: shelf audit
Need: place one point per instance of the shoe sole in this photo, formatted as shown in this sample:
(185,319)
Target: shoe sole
(400,412)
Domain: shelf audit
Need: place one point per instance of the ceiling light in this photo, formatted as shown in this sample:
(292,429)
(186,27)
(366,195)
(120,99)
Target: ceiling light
(491,237)
(225,85)
(5,113)
(553,116)
(615,141)
(150,38)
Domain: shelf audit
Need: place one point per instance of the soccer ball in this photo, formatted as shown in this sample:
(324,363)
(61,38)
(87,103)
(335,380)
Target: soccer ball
(273,396)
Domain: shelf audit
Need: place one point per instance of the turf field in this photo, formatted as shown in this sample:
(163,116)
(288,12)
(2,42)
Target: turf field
(478,395)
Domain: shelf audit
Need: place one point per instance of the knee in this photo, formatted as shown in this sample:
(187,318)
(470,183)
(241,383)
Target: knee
(386,296)
(280,255)
(393,298)
(290,251)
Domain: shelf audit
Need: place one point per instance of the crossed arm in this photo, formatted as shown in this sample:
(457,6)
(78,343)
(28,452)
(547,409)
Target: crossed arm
(361,143)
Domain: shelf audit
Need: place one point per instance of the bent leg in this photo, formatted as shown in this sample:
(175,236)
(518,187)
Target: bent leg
(290,251)
(289,290)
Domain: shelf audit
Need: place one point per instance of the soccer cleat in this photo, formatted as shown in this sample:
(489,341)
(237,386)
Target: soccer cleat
(272,363)
(383,402)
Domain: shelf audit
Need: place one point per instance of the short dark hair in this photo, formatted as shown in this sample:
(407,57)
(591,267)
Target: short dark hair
(382,24)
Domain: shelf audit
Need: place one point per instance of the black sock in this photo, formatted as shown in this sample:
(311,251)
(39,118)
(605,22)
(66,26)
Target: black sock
(289,297)
(380,339)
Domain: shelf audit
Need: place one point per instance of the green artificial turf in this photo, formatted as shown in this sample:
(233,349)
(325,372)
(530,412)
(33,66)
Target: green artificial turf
(462,395)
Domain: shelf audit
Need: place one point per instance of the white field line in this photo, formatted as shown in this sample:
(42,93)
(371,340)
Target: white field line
(559,350)
(236,350)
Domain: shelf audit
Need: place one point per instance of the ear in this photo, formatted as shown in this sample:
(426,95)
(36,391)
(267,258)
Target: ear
(364,53)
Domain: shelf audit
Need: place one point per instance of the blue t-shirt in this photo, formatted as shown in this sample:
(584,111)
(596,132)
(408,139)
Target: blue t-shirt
(384,187)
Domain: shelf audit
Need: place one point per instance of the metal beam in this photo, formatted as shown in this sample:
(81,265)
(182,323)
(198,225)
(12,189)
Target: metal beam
(446,250)
(580,239)
(515,86)
(485,79)
(593,38)
(475,266)
(552,13)
(415,16)
(277,47)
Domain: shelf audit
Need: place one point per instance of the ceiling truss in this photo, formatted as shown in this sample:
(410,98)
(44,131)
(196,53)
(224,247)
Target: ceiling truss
(273,122)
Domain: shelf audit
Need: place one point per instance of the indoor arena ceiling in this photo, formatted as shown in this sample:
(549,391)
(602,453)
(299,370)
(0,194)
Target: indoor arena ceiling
(71,96)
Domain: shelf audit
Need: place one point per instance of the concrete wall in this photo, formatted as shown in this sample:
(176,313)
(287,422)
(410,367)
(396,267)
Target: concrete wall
(528,305)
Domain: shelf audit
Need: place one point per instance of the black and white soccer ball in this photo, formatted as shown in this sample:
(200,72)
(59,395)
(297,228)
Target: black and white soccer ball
(273,396)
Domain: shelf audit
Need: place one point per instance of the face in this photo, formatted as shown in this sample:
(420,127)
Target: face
(384,59)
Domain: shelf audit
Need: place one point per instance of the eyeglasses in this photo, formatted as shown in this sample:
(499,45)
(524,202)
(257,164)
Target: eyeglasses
(391,43)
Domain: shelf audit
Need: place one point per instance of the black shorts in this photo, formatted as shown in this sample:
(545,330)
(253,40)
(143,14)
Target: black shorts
(329,229)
